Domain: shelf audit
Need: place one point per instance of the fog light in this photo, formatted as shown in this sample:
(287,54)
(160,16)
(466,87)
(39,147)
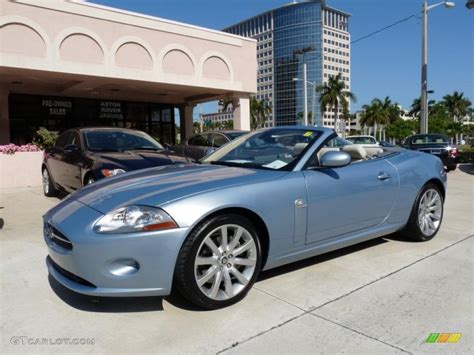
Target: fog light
(124,267)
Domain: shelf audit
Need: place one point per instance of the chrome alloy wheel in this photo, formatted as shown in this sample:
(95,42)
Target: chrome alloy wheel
(45,181)
(430,212)
(225,262)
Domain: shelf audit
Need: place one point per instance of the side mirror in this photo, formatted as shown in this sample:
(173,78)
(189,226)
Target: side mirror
(335,159)
(71,148)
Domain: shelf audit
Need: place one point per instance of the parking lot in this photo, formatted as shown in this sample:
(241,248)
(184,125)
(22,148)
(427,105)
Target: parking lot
(382,296)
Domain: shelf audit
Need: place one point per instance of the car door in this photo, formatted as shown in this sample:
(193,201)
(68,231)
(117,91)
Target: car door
(56,159)
(348,199)
(73,162)
(197,146)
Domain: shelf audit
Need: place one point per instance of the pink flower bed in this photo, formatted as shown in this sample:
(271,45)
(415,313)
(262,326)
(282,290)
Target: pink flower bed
(13,148)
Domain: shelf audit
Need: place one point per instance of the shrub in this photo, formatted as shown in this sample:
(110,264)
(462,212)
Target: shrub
(45,138)
(13,148)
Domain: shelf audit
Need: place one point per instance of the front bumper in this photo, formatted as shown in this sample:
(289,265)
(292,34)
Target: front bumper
(122,265)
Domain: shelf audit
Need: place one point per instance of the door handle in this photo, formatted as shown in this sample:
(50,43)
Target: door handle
(383,176)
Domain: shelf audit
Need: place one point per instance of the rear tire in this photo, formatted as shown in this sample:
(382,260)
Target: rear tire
(49,189)
(451,167)
(219,262)
(426,214)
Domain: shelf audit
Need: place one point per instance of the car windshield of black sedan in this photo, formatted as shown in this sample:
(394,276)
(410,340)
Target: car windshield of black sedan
(118,141)
(430,139)
(266,149)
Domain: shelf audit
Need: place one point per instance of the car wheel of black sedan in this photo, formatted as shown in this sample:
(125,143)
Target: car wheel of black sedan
(219,262)
(426,215)
(48,186)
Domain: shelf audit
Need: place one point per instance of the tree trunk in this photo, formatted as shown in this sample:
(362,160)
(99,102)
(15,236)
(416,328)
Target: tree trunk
(336,111)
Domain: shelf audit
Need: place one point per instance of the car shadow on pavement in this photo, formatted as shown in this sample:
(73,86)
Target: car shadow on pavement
(118,304)
(320,258)
(105,304)
(467,168)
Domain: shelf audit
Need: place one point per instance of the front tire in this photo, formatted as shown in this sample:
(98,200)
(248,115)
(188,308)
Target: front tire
(49,189)
(219,262)
(426,215)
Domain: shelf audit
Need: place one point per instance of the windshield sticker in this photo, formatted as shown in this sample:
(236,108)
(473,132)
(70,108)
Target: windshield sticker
(308,134)
(277,164)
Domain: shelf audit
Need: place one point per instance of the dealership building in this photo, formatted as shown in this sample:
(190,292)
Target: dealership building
(68,63)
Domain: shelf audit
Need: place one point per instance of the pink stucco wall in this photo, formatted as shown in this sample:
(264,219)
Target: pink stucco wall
(20,169)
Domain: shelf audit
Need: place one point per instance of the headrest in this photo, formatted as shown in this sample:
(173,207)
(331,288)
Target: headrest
(299,147)
(356,151)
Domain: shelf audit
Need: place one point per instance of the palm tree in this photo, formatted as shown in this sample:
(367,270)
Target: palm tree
(380,114)
(372,115)
(333,95)
(390,113)
(259,109)
(458,107)
(415,110)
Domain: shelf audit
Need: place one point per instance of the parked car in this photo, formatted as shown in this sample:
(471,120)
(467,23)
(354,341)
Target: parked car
(368,141)
(273,197)
(202,144)
(435,144)
(83,155)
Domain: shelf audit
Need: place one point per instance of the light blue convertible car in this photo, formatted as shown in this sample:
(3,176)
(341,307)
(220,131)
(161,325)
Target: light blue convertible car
(266,199)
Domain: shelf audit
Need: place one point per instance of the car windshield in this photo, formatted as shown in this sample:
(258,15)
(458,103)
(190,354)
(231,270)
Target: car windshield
(362,140)
(430,139)
(116,141)
(265,149)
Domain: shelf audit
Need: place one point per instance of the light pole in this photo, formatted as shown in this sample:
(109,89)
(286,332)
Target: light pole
(313,99)
(424,62)
(302,52)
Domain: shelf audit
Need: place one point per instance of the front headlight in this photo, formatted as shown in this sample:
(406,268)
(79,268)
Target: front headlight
(112,172)
(132,219)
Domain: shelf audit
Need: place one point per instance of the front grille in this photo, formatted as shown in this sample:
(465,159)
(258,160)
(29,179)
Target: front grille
(57,237)
(70,275)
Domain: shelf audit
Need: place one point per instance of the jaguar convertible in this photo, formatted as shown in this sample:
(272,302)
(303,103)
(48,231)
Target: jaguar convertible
(268,198)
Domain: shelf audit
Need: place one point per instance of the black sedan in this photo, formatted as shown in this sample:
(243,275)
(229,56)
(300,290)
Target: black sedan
(436,144)
(202,144)
(83,155)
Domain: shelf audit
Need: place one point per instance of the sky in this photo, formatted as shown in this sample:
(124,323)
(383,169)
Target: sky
(386,64)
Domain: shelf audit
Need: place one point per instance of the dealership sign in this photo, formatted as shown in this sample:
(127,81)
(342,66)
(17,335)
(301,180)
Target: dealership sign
(110,110)
(56,107)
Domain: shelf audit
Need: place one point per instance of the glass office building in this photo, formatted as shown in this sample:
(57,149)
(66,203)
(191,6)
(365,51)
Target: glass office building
(283,35)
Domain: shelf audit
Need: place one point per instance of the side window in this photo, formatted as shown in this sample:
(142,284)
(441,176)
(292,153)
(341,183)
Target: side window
(336,142)
(62,140)
(198,140)
(73,139)
(218,140)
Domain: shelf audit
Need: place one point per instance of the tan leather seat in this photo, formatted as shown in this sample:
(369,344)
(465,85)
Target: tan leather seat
(356,151)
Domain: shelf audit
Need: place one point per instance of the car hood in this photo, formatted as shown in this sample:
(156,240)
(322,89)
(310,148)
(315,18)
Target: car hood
(158,186)
(137,159)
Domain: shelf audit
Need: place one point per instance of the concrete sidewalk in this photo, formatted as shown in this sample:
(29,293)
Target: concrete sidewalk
(382,296)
